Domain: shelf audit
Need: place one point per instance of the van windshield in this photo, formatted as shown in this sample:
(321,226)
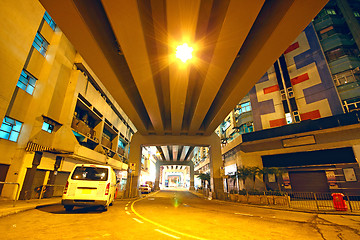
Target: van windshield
(90,173)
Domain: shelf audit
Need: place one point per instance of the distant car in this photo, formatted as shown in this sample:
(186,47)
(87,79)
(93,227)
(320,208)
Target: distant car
(145,188)
(151,185)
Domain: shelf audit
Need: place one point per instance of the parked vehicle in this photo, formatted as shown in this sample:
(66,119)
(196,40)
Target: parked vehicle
(151,185)
(90,185)
(145,188)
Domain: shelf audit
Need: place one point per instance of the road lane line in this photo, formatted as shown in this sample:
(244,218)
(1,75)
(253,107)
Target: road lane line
(138,220)
(127,212)
(167,234)
(127,204)
(244,214)
(126,208)
(162,226)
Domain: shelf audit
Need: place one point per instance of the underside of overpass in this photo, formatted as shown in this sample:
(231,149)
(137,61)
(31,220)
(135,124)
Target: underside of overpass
(130,45)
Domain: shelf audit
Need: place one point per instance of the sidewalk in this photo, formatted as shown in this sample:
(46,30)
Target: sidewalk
(330,212)
(7,206)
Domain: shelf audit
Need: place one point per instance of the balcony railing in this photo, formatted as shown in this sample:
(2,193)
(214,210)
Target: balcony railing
(81,127)
(304,126)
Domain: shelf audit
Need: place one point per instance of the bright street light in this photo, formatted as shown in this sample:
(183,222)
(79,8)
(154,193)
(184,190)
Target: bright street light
(184,52)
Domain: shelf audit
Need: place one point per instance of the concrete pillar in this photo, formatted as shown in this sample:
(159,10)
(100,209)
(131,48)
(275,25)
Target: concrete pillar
(216,181)
(133,179)
(26,190)
(356,149)
(157,176)
(52,177)
(191,164)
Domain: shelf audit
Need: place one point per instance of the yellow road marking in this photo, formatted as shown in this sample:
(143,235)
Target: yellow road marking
(127,212)
(126,208)
(159,225)
(244,214)
(138,220)
(168,234)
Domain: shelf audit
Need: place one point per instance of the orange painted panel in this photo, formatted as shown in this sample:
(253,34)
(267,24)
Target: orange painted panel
(271,89)
(310,115)
(300,79)
(292,47)
(277,122)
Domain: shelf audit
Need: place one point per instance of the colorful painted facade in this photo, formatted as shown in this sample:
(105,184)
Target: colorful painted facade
(297,87)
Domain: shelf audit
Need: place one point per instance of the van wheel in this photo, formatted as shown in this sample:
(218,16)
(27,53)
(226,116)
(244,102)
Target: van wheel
(105,208)
(68,208)
(112,202)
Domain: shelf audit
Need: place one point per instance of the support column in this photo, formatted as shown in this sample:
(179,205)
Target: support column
(356,149)
(26,190)
(133,178)
(157,176)
(191,164)
(216,181)
(52,177)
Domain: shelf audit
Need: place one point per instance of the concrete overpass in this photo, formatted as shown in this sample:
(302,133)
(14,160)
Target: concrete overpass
(130,45)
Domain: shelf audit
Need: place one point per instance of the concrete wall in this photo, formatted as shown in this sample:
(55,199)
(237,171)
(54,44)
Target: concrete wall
(15,42)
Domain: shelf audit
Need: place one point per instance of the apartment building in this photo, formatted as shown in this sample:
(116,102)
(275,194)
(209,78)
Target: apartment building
(55,111)
(303,114)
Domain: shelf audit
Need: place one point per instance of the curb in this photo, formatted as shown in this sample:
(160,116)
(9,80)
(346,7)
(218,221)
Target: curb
(15,210)
(4,214)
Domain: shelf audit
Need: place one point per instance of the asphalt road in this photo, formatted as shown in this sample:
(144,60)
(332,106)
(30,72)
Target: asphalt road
(176,215)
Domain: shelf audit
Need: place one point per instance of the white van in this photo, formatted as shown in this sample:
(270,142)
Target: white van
(90,185)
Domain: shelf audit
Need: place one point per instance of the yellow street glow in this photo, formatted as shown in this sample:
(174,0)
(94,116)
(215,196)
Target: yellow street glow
(184,52)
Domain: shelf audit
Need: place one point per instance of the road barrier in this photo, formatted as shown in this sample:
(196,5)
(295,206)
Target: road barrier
(57,190)
(301,200)
(17,189)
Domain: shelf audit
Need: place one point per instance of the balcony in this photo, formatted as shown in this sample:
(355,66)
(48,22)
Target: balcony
(304,126)
(81,127)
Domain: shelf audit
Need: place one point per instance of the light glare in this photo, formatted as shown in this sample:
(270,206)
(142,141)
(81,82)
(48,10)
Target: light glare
(184,52)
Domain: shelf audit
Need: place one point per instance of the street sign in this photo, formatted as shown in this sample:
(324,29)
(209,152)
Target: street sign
(132,166)
(222,171)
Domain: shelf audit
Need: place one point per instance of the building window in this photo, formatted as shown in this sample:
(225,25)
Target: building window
(47,127)
(325,12)
(26,82)
(331,11)
(340,52)
(352,104)
(245,107)
(50,21)
(246,127)
(121,145)
(345,78)
(40,44)
(288,118)
(225,125)
(10,129)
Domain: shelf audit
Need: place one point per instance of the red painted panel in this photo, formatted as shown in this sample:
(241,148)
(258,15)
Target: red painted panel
(292,47)
(310,115)
(299,79)
(277,122)
(271,89)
